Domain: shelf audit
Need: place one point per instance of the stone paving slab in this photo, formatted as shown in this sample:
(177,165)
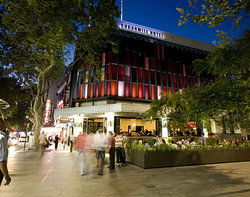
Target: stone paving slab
(56,173)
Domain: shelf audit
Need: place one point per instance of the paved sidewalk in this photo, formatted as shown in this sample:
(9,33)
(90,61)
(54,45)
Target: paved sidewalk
(57,174)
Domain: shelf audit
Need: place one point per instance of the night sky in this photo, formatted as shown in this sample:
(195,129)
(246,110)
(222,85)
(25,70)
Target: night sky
(162,15)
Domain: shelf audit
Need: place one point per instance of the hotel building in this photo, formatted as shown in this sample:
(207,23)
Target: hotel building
(149,63)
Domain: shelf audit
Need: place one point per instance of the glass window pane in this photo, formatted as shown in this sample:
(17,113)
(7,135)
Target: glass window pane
(146,74)
(120,73)
(140,76)
(147,96)
(113,88)
(121,88)
(140,91)
(127,73)
(108,88)
(134,90)
(127,90)
(134,74)
(152,75)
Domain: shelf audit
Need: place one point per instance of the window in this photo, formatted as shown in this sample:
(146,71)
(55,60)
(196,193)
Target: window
(127,73)
(134,86)
(146,75)
(120,88)
(134,74)
(152,75)
(140,76)
(120,73)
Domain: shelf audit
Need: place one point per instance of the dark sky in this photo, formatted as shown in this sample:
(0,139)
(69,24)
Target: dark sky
(162,15)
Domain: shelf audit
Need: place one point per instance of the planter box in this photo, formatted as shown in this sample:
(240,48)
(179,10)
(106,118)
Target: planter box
(151,159)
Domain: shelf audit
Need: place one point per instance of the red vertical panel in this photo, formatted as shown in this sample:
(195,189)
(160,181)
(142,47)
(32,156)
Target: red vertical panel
(184,69)
(158,51)
(140,78)
(102,89)
(108,88)
(103,58)
(81,89)
(113,88)
(146,75)
(140,91)
(180,82)
(113,71)
(96,89)
(153,92)
(120,73)
(91,90)
(185,82)
(127,89)
(162,52)
(134,90)
(109,72)
(146,92)
(174,81)
(146,62)
(127,73)
(165,91)
(169,91)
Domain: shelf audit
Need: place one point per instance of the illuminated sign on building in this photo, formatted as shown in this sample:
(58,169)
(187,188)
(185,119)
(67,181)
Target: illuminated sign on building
(60,104)
(140,29)
(47,112)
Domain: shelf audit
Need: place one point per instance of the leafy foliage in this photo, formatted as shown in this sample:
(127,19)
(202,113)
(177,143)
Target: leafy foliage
(225,99)
(35,35)
(214,13)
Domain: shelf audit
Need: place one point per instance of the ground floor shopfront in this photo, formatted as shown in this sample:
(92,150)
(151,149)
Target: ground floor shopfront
(119,117)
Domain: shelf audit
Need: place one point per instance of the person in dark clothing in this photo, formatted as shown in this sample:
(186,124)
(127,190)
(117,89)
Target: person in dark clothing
(111,145)
(56,140)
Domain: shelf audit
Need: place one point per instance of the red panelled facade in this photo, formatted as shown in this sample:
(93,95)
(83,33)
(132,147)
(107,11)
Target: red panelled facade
(140,71)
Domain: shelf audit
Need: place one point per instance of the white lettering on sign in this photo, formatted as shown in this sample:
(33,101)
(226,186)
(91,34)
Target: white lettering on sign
(140,29)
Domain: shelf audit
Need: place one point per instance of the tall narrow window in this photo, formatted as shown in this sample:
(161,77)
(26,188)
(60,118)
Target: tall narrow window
(140,91)
(114,72)
(134,74)
(146,62)
(146,75)
(102,89)
(81,89)
(108,88)
(113,88)
(147,92)
(152,75)
(91,90)
(164,79)
(120,88)
(140,78)
(86,91)
(153,92)
(109,71)
(120,73)
(127,73)
(127,89)
(96,89)
(180,82)
(134,86)
(158,92)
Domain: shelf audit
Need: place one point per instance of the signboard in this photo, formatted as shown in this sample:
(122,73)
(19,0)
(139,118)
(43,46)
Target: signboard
(139,29)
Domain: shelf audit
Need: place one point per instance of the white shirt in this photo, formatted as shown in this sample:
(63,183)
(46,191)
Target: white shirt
(3,146)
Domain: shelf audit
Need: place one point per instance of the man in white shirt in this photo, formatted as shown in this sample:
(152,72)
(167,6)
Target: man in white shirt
(4,154)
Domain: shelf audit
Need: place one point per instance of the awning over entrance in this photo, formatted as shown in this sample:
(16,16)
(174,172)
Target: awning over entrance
(115,108)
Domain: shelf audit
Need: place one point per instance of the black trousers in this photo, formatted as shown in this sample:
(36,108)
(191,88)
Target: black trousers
(1,177)
(112,158)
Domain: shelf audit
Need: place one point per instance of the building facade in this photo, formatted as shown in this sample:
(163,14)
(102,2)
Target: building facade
(149,63)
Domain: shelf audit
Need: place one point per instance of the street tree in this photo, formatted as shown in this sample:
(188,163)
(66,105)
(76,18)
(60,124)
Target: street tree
(214,13)
(35,35)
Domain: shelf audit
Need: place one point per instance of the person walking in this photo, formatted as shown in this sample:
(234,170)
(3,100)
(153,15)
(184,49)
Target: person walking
(100,144)
(118,149)
(4,173)
(111,146)
(56,140)
(43,142)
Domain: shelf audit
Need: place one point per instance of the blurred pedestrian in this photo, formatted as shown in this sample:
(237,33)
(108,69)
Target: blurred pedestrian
(100,144)
(118,149)
(56,140)
(111,146)
(4,173)
(43,142)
